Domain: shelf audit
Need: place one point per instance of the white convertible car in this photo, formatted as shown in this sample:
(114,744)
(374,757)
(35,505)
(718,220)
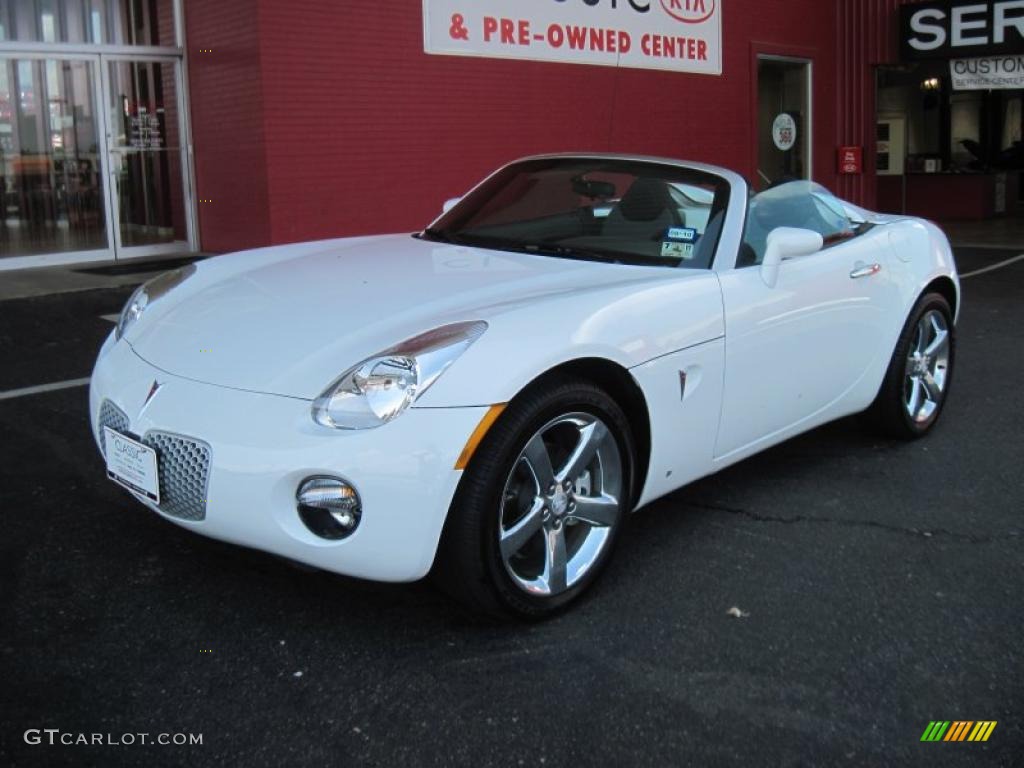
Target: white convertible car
(488,399)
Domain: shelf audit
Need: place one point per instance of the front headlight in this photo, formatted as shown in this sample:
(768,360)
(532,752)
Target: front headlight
(132,311)
(147,293)
(381,388)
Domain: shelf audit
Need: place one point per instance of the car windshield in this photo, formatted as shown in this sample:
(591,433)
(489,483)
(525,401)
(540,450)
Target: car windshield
(618,211)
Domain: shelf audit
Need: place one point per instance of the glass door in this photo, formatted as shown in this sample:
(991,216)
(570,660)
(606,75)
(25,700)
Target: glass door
(52,182)
(149,204)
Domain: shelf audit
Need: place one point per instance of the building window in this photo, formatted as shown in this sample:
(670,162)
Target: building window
(99,22)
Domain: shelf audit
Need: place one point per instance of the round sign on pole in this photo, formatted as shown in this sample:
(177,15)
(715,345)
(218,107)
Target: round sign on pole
(784,132)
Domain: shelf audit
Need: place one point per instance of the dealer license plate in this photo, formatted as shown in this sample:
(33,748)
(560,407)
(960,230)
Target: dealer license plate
(132,464)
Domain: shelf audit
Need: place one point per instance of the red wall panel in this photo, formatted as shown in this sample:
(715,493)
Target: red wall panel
(225,89)
(867,35)
(366,133)
(339,124)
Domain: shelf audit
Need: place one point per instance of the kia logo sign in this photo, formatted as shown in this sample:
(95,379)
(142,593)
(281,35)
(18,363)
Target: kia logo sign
(690,11)
(961,28)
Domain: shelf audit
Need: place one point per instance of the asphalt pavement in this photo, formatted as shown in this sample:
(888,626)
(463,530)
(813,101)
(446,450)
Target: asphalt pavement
(877,585)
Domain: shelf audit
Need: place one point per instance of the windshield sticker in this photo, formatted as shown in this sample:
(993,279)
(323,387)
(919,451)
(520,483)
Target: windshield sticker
(683,234)
(677,250)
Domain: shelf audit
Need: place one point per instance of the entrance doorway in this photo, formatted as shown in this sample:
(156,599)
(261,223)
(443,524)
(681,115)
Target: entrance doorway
(784,120)
(90,159)
(143,144)
(92,131)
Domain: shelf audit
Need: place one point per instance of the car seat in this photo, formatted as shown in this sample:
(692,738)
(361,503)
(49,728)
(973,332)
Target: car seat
(645,212)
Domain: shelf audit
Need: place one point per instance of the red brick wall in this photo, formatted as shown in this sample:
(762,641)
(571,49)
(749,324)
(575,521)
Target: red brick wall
(225,90)
(349,128)
(175,187)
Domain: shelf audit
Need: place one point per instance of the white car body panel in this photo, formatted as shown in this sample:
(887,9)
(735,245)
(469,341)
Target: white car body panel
(286,310)
(684,420)
(265,445)
(628,324)
(244,345)
(796,350)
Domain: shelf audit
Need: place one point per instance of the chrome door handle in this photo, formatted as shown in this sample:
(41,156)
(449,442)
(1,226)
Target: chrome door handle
(865,270)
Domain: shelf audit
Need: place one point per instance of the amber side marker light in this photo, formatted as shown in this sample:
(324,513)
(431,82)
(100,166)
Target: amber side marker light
(478,434)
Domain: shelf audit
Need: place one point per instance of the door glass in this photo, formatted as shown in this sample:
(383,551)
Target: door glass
(51,195)
(145,153)
(783,122)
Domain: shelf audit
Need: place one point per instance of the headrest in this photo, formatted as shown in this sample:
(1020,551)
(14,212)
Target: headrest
(645,200)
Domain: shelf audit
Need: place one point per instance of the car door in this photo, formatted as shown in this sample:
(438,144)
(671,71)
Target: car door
(794,351)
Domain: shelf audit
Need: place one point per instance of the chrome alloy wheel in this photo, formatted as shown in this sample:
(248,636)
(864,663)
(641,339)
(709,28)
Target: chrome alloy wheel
(927,369)
(560,503)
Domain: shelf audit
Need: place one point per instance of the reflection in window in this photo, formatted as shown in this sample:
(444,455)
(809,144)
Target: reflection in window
(51,196)
(147,163)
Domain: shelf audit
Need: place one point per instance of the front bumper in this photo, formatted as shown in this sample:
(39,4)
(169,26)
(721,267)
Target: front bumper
(263,446)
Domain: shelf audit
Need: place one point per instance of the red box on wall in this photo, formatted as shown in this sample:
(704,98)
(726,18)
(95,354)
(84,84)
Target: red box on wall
(851,160)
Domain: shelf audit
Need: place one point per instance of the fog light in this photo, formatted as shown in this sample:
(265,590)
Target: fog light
(329,507)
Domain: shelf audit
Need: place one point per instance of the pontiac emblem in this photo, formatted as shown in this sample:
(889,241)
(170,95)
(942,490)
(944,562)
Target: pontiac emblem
(152,392)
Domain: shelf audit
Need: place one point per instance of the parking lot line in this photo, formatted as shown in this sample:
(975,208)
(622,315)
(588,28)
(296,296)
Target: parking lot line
(992,267)
(39,389)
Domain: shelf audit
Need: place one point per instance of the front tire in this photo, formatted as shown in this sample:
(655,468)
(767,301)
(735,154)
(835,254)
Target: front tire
(917,381)
(541,504)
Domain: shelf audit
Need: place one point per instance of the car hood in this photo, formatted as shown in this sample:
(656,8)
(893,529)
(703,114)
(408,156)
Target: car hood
(289,320)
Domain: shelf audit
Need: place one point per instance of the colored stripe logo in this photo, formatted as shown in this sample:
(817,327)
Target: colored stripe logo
(958,730)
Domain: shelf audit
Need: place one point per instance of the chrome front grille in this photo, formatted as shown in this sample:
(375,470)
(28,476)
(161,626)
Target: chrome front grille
(183,463)
(184,474)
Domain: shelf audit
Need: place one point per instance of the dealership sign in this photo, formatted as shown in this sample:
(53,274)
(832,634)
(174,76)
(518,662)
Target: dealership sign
(678,35)
(987,73)
(961,28)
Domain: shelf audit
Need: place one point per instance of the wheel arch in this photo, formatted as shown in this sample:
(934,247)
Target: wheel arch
(882,414)
(945,287)
(620,385)
(616,380)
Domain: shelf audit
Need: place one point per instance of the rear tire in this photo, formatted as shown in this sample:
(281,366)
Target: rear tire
(917,382)
(541,504)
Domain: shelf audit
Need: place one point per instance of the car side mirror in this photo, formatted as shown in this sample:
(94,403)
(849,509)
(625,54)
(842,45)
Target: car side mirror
(787,243)
(449,204)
